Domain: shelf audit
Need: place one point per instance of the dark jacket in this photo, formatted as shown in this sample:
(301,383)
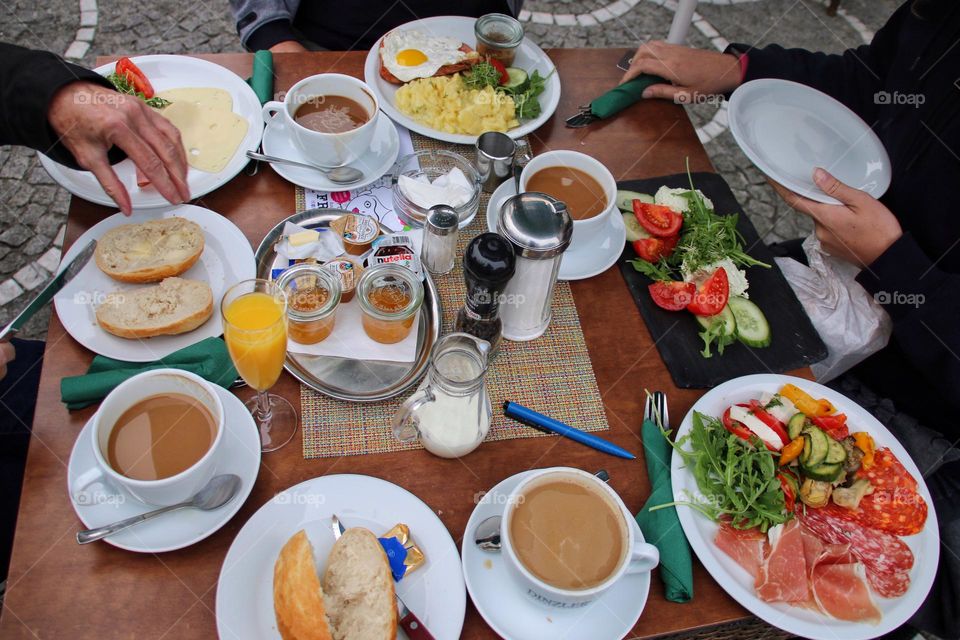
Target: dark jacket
(906,85)
(28,81)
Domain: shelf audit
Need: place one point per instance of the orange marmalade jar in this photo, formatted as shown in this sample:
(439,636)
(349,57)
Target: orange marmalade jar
(390,296)
(313,294)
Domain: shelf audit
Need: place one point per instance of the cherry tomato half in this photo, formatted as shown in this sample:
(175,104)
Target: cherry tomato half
(712,296)
(135,76)
(672,295)
(652,249)
(657,219)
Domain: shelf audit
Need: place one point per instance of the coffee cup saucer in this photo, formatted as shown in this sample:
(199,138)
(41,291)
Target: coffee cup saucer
(377,161)
(577,264)
(516,616)
(98,505)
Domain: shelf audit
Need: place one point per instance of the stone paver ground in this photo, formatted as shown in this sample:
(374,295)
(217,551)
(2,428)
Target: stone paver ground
(33,208)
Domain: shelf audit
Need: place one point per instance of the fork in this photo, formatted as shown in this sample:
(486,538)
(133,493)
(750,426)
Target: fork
(655,410)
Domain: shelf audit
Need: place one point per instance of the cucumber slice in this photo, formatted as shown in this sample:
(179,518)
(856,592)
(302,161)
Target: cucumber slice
(836,454)
(625,199)
(815,448)
(515,78)
(824,472)
(753,329)
(725,317)
(796,425)
(634,230)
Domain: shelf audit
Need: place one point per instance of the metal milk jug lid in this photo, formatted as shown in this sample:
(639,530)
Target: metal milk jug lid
(539,226)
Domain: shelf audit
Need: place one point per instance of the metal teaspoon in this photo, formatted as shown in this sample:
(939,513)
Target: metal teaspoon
(339,175)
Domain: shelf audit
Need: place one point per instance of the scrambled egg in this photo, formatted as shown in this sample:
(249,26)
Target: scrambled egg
(445,103)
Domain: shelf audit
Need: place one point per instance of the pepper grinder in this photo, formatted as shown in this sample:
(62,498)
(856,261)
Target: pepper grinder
(488,265)
(539,229)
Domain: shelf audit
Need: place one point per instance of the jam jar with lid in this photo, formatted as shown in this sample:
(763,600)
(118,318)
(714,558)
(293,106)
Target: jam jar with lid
(313,294)
(498,36)
(390,296)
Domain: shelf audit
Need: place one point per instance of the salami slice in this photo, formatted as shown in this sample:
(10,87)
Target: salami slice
(886,557)
(887,472)
(894,506)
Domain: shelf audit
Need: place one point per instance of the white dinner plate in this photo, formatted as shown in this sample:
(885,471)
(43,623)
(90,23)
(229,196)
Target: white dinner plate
(171,72)
(226,260)
(515,616)
(577,264)
(434,591)
(99,505)
(788,129)
(529,57)
(377,161)
(700,530)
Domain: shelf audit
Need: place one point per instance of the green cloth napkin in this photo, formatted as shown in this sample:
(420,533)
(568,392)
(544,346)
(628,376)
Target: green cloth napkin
(622,96)
(661,528)
(262,79)
(208,359)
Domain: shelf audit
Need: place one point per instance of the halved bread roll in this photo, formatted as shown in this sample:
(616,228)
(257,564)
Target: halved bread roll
(150,251)
(174,306)
(356,600)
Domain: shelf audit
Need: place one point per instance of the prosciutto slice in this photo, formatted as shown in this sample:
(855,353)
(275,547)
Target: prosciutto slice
(840,590)
(747,547)
(783,573)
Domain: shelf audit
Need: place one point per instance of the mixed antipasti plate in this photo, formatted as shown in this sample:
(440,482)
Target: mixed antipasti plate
(846,558)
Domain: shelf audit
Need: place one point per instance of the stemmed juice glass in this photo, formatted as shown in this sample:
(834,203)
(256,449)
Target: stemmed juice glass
(255,329)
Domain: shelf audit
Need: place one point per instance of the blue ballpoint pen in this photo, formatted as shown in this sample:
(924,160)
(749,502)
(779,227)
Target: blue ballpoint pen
(545,423)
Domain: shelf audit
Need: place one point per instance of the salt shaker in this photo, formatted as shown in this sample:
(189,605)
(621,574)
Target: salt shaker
(440,239)
(539,227)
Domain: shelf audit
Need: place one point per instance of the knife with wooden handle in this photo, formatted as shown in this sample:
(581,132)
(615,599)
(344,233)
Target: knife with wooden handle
(408,620)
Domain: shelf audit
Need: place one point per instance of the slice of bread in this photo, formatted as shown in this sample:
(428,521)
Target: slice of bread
(150,251)
(174,306)
(297,595)
(358,586)
(356,600)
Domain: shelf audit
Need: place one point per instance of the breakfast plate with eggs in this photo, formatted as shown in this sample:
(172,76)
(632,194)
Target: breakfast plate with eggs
(415,72)
(219,119)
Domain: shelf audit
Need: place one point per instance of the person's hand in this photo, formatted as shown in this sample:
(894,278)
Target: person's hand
(288,46)
(89,119)
(7,354)
(693,72)
(858,231)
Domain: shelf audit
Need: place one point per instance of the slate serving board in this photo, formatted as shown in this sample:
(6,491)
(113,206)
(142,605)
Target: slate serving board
(795,343)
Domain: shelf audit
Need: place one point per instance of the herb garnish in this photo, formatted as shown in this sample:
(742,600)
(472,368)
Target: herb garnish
(123,85)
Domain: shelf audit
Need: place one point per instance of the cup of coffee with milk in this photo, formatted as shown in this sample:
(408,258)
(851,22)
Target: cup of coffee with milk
(331,118)
(579,181)
(567,538)
(156,436)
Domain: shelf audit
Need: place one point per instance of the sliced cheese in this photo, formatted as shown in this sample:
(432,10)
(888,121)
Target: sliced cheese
(756,425)
(219,99)
(210,135)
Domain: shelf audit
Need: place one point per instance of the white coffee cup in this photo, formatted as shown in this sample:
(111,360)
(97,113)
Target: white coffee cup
(638,557)
(587,230)
(165,491)
(327,149)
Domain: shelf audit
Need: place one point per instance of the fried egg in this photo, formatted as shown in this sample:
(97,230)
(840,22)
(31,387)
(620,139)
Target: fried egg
(409,55)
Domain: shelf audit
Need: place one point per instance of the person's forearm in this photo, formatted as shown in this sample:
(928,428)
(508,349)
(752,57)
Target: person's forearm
(28,81)
(262,24)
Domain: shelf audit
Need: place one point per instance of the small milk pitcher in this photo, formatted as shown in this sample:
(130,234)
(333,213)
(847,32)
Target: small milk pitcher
(450,412)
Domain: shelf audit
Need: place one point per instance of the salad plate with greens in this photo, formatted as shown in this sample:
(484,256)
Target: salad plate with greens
(708,288)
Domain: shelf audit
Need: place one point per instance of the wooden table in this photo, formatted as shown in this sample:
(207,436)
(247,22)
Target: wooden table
(59,589)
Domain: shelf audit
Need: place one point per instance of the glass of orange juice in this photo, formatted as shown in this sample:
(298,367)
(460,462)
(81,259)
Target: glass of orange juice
(255,330)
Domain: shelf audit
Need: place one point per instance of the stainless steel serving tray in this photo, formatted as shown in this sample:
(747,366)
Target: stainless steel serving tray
(345,378)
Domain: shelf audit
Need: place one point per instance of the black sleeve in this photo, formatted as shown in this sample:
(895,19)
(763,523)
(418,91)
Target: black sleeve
(852,77)
(924,303)
(28,81)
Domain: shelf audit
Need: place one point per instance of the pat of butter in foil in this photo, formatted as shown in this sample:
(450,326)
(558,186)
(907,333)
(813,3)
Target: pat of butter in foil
(415,557)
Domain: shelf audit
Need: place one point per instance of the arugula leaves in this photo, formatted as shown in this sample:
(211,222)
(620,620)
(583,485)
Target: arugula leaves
(737,478)
(121,84)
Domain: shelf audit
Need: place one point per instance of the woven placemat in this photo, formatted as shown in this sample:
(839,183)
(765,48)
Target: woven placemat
(552,374)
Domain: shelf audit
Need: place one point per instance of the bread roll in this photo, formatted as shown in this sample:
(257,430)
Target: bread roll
(356,600)
(174,306)
(149,251)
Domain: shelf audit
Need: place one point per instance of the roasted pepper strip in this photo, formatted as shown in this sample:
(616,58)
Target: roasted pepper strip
(806,403)
(790,451)
(865,443)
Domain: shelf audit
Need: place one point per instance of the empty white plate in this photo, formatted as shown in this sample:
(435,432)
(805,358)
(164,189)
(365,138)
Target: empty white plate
(788,129)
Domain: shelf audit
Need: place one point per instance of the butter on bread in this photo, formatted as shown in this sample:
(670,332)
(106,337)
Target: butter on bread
(174,306)
(356,600)
(150,251)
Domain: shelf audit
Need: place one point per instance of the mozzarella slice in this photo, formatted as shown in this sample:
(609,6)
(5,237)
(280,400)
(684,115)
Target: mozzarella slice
(756,425)
(782,411)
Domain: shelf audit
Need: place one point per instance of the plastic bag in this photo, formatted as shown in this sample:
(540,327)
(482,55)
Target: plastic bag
(850,322)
